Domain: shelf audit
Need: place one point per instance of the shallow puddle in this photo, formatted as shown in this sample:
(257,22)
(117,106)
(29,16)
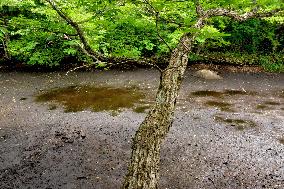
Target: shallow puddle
(223,106)
(79,98)
(207,93)
(239,124)
(228,92)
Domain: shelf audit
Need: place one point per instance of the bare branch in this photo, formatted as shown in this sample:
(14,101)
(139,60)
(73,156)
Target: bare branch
(200,14)
(116,63)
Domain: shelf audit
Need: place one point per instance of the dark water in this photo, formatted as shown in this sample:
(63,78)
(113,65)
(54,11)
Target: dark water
(79,98)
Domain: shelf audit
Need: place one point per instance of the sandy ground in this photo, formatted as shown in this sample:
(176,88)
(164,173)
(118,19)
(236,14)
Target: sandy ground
(205,148)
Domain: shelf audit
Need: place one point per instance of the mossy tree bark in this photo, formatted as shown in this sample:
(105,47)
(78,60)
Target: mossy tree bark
(143,170)
(145,159)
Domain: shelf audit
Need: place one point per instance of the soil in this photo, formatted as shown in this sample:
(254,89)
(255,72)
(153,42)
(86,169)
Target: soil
(227,134)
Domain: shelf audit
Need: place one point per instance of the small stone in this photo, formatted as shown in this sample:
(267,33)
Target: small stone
(207,74)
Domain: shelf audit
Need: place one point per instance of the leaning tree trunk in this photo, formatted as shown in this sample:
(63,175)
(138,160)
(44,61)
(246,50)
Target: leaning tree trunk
(144,166)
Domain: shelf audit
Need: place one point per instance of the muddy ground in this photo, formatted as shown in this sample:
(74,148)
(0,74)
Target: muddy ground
(227,133)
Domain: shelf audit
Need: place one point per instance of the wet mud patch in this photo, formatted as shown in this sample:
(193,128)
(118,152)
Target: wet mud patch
(272,103)
(141,109)
(220,94)
(223,106)
(232,92)
(281,94)
(262,107)
(52,107)
(281,140)
(207,93)
(267,105)
(97,99)
(239,124)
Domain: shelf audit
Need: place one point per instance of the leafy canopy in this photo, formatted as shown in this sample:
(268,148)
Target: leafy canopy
(130,28)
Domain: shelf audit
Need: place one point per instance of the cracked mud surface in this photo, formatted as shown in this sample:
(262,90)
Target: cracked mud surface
(227,133)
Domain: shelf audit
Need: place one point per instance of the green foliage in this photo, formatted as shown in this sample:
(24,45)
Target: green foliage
(272,63)
(39,36)
(2,33)
(253,36)
(216,37)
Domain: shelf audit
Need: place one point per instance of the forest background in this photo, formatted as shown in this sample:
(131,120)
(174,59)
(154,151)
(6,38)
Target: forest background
(32,32)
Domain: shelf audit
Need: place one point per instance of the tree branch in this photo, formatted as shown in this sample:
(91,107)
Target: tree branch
(79,31)
(241,17)
(198,8)
(202,15)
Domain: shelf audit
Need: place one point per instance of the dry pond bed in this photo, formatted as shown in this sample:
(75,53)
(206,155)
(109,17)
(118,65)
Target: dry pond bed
(74,131)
